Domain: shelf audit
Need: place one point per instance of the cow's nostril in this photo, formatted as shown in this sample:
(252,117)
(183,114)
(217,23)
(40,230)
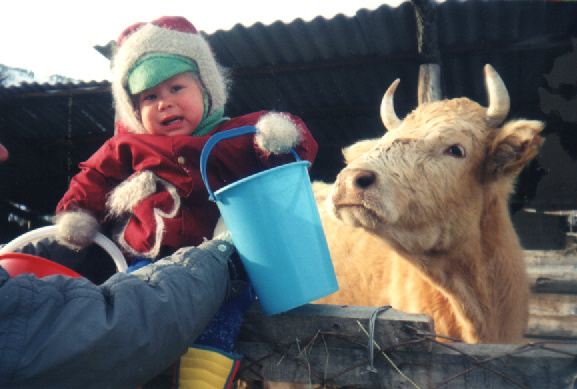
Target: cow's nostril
(364,179)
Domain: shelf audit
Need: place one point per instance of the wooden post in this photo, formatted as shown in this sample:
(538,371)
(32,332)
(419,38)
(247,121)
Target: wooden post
(429,89)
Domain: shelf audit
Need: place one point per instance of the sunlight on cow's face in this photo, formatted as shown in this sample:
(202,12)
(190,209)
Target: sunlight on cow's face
(425,184)
(426,172)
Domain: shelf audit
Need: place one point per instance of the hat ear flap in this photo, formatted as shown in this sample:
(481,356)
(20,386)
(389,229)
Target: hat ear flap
(513,147)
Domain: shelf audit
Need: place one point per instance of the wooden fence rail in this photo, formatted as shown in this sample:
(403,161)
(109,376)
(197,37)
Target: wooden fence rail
(553,305)
(329,344)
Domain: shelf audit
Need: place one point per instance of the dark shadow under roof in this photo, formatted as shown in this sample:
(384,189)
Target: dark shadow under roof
(332,73)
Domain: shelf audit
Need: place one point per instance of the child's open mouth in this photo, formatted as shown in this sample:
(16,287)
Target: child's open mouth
(171,120)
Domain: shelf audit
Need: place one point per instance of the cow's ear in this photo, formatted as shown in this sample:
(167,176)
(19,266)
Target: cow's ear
(513,147)
(358,149)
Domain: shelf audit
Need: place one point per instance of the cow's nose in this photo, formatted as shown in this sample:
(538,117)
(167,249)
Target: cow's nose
(362,179)
(350,186)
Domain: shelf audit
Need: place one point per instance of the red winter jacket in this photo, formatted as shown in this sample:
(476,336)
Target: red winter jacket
(176,212)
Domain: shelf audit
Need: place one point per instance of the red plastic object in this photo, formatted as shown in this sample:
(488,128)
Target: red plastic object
(18,263)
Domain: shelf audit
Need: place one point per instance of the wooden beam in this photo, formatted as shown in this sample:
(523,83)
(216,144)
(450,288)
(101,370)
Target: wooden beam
(429,89)
(341,324)
(553,316)
(324,344)
(560,279)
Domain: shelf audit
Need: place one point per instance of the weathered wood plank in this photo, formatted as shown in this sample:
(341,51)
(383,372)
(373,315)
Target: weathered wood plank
(552,277)
(307,322)
(470,367)
(553,304)
(324,344)
(552,327)
(549,257)
(553,316)
(560,279)
(297,357)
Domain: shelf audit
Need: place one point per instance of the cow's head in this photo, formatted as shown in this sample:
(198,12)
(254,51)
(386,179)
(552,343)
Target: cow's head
(430,179)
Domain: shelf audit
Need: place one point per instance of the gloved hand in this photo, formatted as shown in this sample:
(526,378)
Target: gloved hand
(276,133)
(76,229)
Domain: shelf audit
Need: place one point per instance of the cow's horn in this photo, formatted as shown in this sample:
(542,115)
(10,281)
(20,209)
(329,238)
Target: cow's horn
(498,97)
(388,115)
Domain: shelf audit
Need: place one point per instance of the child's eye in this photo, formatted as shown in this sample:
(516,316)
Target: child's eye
(150,96)
(176,88)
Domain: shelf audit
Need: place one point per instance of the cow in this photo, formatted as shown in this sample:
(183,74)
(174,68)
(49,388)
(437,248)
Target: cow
(419,219)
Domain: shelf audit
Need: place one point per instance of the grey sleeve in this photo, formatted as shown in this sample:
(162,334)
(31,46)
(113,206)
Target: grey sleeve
(67,333)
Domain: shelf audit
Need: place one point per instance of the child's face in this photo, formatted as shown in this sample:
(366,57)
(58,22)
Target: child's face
(173,107)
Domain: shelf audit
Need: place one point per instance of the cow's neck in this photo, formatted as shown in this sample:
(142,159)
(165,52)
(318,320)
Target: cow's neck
(464,286)
(470,274)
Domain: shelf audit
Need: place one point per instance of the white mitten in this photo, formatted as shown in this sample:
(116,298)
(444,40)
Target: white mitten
(76,229)
(277,133)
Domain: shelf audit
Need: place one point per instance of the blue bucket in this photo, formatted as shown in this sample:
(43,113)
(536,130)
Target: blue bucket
(275,225)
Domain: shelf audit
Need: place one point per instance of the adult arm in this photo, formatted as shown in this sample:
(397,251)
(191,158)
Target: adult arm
(61,332)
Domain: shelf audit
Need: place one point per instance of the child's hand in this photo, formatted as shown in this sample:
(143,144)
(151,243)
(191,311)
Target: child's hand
(277,133)
(221,231)
(76,229)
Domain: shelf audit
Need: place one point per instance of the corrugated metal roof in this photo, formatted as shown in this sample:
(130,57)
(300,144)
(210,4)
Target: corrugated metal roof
(332,73)
(45,89)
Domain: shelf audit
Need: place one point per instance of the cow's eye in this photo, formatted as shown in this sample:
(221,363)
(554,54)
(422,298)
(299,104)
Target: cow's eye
(456,151)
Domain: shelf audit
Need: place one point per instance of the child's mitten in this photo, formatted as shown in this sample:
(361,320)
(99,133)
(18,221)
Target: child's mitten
(276,133)
(76,229)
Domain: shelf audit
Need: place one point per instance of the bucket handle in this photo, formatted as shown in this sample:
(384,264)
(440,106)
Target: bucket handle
(219,136)
(49,231)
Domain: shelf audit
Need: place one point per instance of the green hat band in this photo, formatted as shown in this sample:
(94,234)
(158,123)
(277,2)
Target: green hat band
(153,69)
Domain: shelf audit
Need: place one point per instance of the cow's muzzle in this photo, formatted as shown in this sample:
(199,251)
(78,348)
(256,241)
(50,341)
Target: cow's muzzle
(350,185)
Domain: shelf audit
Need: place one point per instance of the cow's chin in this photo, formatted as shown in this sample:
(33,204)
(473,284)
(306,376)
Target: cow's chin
(357,216)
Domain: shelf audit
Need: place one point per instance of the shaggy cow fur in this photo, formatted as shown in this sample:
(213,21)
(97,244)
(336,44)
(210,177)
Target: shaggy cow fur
(419,218)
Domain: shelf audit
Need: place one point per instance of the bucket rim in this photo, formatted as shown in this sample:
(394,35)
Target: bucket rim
(260,174)
(16,264)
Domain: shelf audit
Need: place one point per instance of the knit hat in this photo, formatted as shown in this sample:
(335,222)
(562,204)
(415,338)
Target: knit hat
(147,54)
(154,68)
